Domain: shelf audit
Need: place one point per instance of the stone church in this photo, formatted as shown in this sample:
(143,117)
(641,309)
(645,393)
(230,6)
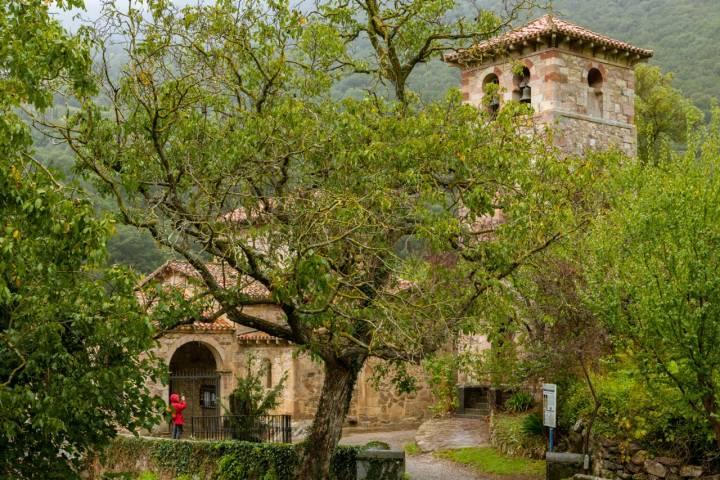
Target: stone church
(579,83)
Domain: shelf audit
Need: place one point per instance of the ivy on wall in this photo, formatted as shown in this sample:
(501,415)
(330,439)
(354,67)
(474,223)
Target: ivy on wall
(214,460)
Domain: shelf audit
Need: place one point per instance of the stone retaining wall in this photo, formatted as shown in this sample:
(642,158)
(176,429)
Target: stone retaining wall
(612,462)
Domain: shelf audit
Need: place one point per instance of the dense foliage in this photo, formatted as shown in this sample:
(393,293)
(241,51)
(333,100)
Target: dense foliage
(654,274)
(359,218)
(663,115)
(252,399)
(630,412)
(71,335)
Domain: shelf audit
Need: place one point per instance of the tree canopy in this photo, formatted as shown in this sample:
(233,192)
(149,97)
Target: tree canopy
(72,336)
(654,274)
(374,223)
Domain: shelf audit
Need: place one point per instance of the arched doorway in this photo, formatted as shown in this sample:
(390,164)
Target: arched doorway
(193,373)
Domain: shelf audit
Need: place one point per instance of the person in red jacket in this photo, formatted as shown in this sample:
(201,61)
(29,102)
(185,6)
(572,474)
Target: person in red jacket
(178,405)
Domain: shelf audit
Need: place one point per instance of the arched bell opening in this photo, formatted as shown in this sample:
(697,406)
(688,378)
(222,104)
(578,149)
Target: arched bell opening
(491,93)
(521,81)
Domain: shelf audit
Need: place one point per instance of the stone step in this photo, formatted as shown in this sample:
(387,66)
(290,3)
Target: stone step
(470,415)
(474,413)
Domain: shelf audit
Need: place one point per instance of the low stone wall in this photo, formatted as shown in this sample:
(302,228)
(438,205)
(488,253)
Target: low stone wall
(210,460)
(614,463)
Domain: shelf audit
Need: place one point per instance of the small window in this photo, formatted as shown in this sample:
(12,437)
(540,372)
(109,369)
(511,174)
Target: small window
(595,79)
(267,365)
(491,86)
(595,96)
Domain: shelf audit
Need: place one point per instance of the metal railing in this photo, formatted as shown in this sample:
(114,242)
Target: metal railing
(264,428)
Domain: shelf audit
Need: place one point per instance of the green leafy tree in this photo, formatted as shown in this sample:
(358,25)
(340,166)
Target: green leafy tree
(663,115)
(360,219)
(654,274)
(71,336)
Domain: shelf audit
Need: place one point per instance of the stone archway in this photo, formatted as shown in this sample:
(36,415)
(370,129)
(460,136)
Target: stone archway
(194,373)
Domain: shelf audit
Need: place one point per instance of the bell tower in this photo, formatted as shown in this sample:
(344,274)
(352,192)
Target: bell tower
(579,82)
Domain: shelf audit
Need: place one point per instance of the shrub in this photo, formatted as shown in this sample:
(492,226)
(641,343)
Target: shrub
(508,435)
(251,400)
(519,402)
(533,425)
(630,412)
(441,373)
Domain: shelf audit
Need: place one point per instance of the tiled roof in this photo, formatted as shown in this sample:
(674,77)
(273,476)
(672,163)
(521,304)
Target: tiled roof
(538,28)
(223,274)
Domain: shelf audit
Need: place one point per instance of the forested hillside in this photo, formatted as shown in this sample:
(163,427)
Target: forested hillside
(683,33)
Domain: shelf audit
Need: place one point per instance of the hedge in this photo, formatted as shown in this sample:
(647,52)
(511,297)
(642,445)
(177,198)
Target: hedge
(222,460)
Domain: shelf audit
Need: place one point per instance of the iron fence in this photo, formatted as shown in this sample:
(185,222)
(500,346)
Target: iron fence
(264,428)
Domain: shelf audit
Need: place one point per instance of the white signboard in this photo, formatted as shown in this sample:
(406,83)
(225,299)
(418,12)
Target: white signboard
(549,404)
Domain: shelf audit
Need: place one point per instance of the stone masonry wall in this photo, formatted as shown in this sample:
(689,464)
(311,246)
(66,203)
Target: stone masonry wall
(612,462)
(369,407)
(587,117)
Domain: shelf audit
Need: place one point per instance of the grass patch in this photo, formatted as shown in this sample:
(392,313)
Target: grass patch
(490,461)
(412,449)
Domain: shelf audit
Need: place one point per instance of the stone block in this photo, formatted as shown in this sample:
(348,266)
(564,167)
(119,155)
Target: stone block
(639,457)
(655,468)
(690,471)
(667,461)
(612,465)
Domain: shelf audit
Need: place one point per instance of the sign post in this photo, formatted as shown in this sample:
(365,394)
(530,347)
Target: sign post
(550,410)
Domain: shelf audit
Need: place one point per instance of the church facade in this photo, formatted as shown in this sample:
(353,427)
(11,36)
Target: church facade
(580,85)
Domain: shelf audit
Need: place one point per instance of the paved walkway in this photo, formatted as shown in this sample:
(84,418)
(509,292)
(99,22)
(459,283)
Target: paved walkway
(432,435)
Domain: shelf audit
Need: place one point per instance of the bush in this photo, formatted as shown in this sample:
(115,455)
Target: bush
(630,412)
(251,400)
(532,425)
(508,434)
(217,460)
(519,402)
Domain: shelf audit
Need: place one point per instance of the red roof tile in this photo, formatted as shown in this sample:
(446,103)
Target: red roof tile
(537,28)
(219,325)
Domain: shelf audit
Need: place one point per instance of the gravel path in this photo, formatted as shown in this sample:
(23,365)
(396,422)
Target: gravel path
(427,467)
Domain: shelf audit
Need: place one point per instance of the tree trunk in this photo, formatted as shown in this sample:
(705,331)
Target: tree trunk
(711,411)
(340,378)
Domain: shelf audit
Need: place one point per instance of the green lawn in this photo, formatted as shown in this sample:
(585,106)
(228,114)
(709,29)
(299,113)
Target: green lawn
(489,461)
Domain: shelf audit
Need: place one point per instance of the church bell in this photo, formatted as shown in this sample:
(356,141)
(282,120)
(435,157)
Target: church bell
(525,94)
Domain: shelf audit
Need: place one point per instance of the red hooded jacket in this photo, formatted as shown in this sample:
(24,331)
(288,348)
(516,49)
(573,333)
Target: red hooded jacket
(179,407)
